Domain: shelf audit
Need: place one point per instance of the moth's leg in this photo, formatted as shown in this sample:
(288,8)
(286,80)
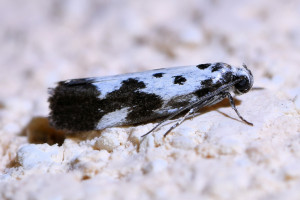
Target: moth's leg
(187,115)
(198,104)
(236,111)
(166,119)
(191,114)
(206,103)
(194,112)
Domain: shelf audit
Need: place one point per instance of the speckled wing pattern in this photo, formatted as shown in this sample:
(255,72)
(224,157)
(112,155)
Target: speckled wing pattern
(128,99)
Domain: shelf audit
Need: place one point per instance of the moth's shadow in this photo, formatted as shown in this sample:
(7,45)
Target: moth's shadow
(39,131)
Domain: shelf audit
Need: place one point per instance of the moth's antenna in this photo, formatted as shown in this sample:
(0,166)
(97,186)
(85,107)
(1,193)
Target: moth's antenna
(245,66)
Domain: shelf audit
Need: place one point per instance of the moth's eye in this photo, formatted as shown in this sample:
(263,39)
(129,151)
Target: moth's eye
(242,86)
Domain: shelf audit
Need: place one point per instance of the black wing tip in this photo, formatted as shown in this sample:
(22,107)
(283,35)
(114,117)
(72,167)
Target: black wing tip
(74,106)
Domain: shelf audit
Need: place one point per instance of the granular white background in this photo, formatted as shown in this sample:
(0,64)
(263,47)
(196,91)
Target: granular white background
(212,156)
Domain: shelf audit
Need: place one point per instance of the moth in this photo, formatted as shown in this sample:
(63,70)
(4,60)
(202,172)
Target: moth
(97,103)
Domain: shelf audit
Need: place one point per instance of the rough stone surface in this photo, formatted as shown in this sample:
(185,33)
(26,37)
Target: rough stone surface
(212,156)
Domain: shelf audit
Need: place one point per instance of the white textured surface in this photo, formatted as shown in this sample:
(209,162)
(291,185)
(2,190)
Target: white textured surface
(212,156)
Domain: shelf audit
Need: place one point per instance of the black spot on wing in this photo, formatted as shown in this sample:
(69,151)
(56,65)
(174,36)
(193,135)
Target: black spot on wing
(206,83)
(158,75)
(143,106)
(228,77)
(217,67)
(203,66)
(131,84)
(202,92)
(207,87)
(178,102)
(123,97)
(179,80)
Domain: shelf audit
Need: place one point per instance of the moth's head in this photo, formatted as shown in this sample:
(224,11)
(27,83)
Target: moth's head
(246,80)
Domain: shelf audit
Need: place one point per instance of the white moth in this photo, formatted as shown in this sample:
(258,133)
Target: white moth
(129,99)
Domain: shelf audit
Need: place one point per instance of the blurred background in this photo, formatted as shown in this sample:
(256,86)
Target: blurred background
(42,42)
